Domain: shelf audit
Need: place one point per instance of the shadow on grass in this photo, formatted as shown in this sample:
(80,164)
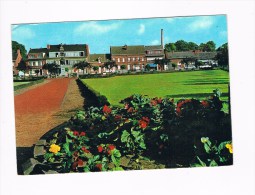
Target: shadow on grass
(23,154)
(196,95)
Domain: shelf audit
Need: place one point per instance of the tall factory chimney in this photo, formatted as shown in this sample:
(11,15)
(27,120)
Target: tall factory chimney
(162,38)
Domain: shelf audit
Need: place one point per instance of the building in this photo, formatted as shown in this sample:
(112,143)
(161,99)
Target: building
(67,55)
(191,56)
(131,56)
(98,60)
(16,58)
(36,58)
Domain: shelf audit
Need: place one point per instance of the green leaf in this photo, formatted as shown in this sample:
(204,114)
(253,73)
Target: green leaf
(117,169)
(201,162)
(207,148)
(124,136)
(142,145)
(213,163)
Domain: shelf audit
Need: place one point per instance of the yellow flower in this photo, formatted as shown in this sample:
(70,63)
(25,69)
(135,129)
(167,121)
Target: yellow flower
(54,148)
(204,139)
(230,148)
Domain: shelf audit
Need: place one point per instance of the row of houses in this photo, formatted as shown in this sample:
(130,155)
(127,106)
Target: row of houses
(134,57)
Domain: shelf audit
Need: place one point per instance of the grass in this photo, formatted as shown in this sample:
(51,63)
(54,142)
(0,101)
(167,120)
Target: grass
(19,83)
(196,84)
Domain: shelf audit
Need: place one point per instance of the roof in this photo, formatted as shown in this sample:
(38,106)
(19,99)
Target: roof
(125,50)
(104,57)
(74,47)
(38,50)
(153,47)
(191,54)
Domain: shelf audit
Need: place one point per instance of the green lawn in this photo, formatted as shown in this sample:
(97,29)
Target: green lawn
(197,84)
(20,83)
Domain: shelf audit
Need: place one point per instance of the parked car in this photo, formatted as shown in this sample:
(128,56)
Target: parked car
(190,67)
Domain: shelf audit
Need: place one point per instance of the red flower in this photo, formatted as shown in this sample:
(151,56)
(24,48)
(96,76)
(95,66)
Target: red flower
(111,147)
(84,149)
(80,162)
(159,101)
(205,104)
(82,134)
(74,165)
(117,117)
(76,133)
(178,111)
(75,154)
(143,124)
(146,119)
(131,109)
(180,104)
(106,109)
(154,102)
(100,149)
(99,166)
(126,106)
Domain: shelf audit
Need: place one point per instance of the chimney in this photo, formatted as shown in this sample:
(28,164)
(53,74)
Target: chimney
(48,46)
(87,50)
(124,47)
(162,38)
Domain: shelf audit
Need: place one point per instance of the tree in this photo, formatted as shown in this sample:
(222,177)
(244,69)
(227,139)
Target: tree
(123,67)
(174,65)
(37,72)
(170,47)
(147,67)
(52,68)
(82,65)
(95,68)
(222,55)
(161,62)
(109,65)
(209,46)
(16,46)
(192,46)
(22,66)
(182,45)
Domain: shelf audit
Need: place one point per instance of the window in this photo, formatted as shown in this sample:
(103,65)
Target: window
(118,59)
(81,53)
(56,55)
(133,59)
(128,59)
(138,59)
(142,59)
(123,59)
(113,59)
(66,61)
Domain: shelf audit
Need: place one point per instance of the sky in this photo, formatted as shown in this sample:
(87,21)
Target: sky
(100,35)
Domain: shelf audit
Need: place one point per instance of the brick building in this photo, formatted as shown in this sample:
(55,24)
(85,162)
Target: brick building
(16,58)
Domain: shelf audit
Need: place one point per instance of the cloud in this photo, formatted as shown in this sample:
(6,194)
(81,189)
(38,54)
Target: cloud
(202,23)
(141,29)
(20,32)
(155,42)
(95,28)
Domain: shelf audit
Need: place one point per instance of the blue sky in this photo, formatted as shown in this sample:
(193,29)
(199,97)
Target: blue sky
(100,35)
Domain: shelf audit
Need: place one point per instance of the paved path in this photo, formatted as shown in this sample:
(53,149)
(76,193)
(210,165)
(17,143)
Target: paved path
(34,109)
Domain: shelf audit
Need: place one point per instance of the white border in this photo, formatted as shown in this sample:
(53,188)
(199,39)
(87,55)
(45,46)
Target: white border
(237,179)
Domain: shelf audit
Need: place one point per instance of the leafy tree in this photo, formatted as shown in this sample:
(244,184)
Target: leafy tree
(22,66)
(82,65)
(95,68)
(182,45)
(123,67)
(222,55)
(209,46)
(174,65)
(52,68)
(161,62)
(16,46)
(198,63)
(37,72)
(147,67)
(109,65)
(170,47)
(192,46)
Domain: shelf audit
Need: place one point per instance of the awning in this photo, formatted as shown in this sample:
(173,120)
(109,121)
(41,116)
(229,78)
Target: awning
(153,65)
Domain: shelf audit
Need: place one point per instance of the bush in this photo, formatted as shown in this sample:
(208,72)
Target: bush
(157,128)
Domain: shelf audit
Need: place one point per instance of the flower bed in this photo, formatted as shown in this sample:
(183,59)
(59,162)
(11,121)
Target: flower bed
(144,133)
